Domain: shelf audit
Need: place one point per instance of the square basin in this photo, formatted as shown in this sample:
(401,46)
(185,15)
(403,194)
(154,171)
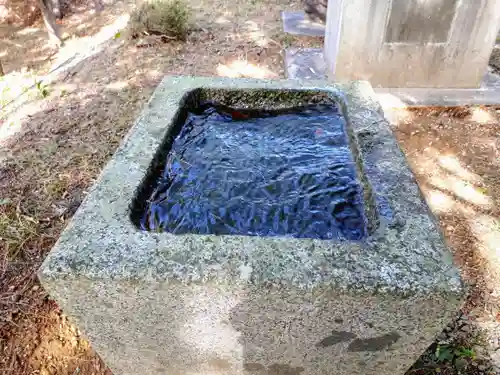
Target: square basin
(253,227)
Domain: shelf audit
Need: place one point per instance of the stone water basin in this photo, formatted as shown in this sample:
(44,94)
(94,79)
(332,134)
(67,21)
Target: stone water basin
(256,227)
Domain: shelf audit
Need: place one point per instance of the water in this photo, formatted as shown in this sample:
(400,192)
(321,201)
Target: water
(274,173)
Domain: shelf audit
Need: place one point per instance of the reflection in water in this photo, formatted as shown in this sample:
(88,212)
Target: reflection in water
(265,173)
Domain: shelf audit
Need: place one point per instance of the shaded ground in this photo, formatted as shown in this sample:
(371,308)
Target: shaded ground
(28,46)
(455,155)
(52,150)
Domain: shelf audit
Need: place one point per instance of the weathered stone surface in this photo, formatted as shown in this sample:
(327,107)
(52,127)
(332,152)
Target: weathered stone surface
(411,44)
(305,63)
(309,63)
(157,303)
(297,23)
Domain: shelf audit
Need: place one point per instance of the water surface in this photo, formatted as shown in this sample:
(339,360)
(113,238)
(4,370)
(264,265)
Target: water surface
(264,173)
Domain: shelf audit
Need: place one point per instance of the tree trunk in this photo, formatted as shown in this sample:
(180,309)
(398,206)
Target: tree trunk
(50,21)
(56,9)
(1,70)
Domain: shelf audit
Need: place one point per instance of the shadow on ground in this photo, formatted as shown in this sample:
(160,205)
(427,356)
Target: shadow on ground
(455,155)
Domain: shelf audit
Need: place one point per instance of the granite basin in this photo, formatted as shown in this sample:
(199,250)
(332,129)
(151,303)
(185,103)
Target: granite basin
(159,302)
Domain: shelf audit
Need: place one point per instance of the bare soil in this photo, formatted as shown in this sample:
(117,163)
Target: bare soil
(52,150)
(57,146)
(455,156)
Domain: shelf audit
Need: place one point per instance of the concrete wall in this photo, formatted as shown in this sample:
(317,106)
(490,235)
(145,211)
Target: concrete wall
(418,43)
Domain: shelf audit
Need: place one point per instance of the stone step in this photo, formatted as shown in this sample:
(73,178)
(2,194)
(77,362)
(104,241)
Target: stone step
(309,64)
(297,23)
(305,63)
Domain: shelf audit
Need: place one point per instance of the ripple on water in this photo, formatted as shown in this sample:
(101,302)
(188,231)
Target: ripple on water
(262,173)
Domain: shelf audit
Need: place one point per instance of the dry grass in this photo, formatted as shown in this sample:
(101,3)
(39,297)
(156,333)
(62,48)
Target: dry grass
(16,229)
(161,17)
(59,145)
(20,12)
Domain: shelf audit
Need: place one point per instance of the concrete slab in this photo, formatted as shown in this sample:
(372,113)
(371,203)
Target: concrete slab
(430,43)
(305,63)
(297,23)
(160,303)
(308,63)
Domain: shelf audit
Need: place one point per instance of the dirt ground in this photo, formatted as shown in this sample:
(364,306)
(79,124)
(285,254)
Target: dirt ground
(53,148)
(455,156)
